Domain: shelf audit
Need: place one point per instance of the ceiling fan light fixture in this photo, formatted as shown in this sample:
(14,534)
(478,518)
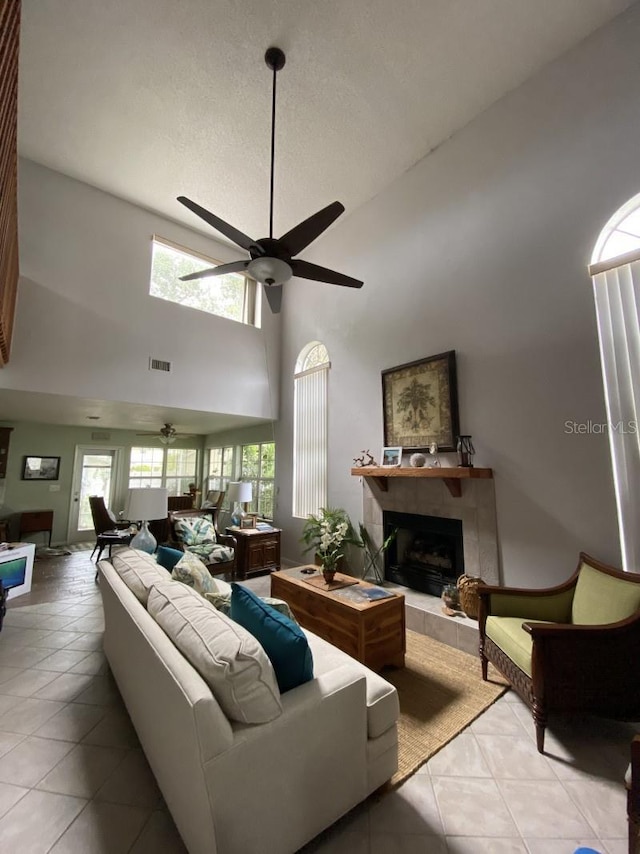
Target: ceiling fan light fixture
(167,440)
(269,271)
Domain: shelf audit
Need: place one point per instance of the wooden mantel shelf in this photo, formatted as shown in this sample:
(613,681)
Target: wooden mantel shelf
(453,477)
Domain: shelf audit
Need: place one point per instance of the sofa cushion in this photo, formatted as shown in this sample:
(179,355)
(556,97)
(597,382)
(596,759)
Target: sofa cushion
(168,557)
(281,638)
(194,530)
(600,598)
(383,708)
(228,657)
(138,570)
(190,570)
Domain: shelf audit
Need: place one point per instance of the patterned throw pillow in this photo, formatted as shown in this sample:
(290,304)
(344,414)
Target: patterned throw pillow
(195,530)
(222,602)
(191,571)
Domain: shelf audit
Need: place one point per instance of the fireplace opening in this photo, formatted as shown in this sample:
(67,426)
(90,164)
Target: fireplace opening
(427,552)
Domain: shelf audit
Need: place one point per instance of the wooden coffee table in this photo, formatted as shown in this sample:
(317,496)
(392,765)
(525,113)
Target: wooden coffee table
(372,631)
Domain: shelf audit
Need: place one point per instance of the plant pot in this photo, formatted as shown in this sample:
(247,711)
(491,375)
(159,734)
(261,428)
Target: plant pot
(328,575)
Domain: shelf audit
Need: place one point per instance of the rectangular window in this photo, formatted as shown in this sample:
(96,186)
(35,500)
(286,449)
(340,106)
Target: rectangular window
(258,465)
(232,296)
(220,468)
(174,468)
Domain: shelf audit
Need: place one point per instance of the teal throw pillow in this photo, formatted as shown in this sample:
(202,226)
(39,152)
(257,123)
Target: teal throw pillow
(168,557)
(282,639)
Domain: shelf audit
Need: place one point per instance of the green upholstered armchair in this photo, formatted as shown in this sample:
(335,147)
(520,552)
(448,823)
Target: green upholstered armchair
(572,648)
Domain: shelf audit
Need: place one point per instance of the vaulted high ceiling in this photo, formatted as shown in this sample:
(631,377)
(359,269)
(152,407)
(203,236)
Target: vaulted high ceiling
(149,99)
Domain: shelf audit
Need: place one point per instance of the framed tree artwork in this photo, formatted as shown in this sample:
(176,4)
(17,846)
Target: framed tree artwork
(420,403)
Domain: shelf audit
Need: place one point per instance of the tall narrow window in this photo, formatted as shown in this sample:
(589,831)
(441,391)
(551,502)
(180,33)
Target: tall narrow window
(310,430)
(258,465)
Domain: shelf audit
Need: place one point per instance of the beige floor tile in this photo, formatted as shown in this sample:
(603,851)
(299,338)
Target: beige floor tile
(28,715)
(7,702)
(8,740)
(90,641)
(499,719)
(65,687)
(484,845)
(102,829)
(514,757)
(72,722)
(338,843)
(87,624)
(410,809)
(27,683)
(31,759)
(79,610)
(543,811)
(102,691)
(26,656)
(95,664)
(614,846)
(390,843)
(131,783)
(34,824)
(57,640)
(114,730)
(58,622)
(82,771)
(604,805)
(10,795)
(62,660)
(472,807)
(7,673)
(462,757)
(159,836)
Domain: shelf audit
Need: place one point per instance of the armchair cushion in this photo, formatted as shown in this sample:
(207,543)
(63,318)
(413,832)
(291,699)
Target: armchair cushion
(211,552)
(600,599)
(508,634)
(194,531)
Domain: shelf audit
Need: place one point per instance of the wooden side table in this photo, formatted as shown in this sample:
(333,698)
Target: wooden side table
(36,522)
(258,551)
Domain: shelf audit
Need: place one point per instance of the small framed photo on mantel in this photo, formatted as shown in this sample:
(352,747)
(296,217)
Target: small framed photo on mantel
(391,458)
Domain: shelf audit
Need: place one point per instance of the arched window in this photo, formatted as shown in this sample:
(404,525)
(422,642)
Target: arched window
(310,430)
(615,270)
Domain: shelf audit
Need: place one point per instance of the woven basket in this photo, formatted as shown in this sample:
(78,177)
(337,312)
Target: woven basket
(469,599)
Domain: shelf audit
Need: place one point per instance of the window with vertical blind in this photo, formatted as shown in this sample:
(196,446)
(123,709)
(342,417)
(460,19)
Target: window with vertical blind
(310,430)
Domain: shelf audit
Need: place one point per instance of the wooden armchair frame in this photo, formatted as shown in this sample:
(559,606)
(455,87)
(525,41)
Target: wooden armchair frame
(574,668)
(633,798)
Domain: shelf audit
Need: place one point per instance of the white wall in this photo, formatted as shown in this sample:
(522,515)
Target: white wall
(482,247)
(86,325)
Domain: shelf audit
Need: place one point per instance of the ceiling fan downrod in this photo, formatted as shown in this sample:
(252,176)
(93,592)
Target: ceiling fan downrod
(275,59)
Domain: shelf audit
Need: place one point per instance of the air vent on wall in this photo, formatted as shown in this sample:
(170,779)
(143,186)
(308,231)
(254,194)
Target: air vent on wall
(159,365)
(100,437)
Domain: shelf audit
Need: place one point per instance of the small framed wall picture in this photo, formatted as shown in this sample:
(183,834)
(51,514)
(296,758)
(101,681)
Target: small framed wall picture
(40,468)
(391,457)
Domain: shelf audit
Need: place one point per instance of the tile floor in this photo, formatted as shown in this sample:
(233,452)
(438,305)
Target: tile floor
(73,779)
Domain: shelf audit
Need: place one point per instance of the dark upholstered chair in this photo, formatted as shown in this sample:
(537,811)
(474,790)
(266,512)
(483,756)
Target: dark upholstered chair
(633,797)
(109,531)
(567,649)
(216,550)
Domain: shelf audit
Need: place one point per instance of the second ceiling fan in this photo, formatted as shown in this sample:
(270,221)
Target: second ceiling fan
(272,262)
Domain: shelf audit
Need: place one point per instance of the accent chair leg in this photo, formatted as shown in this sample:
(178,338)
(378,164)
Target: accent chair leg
(484,661)
(540,720)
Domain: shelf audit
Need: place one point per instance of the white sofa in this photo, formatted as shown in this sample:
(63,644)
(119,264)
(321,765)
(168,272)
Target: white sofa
(234,788)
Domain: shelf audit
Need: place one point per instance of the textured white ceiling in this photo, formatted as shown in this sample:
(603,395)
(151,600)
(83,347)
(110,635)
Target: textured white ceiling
(150,99)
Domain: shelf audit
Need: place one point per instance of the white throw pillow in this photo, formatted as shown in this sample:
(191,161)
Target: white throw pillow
(228,657)
(139,571)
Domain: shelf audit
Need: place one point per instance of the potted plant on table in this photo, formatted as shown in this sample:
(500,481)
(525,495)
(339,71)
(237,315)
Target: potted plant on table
(327,534)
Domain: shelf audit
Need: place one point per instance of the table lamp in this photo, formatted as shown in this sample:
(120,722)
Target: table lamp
(240,492)
(145,505)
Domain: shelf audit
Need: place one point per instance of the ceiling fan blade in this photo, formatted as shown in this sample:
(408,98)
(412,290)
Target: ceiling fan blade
(306,232)
(220,225)
(220,270)
(305,270)
(273,294)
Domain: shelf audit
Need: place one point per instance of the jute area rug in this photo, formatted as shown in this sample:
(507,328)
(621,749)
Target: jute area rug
(441,692)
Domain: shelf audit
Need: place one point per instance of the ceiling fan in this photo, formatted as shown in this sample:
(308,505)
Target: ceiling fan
(167,434)
(272,262)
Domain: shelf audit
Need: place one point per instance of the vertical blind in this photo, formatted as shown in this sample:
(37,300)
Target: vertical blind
(310,441)
(616,286)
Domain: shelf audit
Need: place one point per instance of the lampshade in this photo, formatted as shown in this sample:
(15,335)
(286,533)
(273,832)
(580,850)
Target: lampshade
(147,504)
(240,491)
